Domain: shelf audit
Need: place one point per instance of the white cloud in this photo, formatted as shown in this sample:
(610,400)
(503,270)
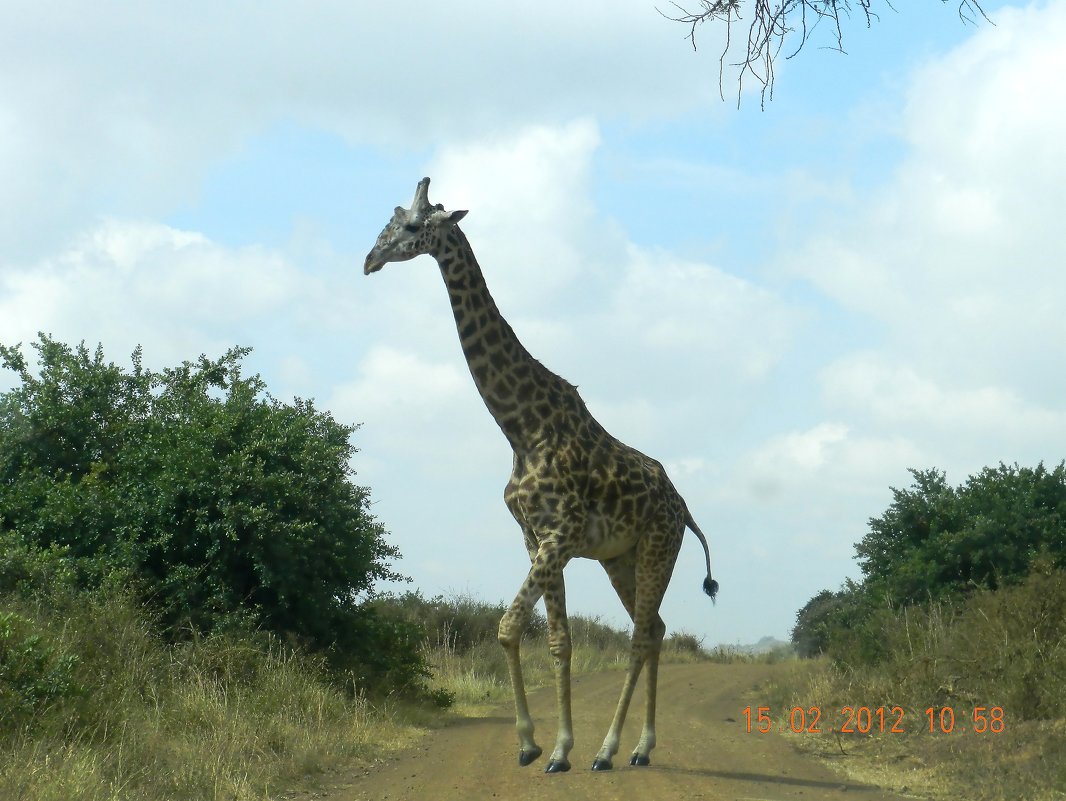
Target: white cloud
(803,451)
(537,176)
(896,394)
(992,108)
(127,106)
(956,258)
(425,414)
(531,215)
(402,387)
(700,312)
(128,283)
(829,457)
(953,424)
(566,274)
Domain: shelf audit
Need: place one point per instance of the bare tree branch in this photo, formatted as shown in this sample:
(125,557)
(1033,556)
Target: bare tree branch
(774,21)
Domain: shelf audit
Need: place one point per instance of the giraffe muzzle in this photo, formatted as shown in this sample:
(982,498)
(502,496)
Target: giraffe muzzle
(372,264)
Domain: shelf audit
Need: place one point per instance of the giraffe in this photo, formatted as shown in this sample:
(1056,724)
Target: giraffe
(574,489)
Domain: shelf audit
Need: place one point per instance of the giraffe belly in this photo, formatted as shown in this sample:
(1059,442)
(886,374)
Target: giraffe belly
(604,540)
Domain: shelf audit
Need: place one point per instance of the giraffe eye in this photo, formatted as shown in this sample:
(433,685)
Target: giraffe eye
(410,228)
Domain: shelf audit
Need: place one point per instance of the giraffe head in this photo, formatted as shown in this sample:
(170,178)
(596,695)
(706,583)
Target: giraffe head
(412,232)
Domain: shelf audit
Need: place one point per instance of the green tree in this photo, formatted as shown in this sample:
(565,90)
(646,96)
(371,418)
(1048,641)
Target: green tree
(223,503)
(845,624)
(935,540)
(814,623)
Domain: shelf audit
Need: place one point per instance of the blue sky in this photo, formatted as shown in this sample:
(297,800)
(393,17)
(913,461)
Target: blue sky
(788,307)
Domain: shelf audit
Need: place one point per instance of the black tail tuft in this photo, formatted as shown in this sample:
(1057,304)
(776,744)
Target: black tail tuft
(710,586)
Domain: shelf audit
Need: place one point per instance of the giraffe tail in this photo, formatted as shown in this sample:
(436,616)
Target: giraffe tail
(710,586)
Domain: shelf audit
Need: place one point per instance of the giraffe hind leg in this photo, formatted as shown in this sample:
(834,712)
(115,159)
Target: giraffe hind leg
(653,577)
(622,572)
(641,590)
(642,753)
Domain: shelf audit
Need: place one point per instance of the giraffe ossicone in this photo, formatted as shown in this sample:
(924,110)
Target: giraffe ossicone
(574,490)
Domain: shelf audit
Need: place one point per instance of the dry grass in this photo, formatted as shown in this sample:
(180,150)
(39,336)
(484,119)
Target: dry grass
(100,709)
(476,675)
(1002,649)
(231,718)
(1027,760)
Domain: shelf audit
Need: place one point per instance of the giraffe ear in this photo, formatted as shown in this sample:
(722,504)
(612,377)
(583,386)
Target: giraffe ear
(442,219)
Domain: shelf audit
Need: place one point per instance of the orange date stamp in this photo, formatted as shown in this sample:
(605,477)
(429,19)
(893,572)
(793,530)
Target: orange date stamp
(879,720)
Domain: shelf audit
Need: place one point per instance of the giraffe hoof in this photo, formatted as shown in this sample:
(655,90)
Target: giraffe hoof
(639,760)
(602,764)
(526,757)
(557,766)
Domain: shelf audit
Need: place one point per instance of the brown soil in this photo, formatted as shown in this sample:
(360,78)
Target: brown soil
(704,751)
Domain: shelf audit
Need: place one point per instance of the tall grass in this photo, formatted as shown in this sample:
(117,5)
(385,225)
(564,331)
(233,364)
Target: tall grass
(225,717)
(477,674)
(1004,649)
(95,706)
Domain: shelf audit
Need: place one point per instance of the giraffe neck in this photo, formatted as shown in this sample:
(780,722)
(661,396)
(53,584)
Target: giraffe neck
(521,394)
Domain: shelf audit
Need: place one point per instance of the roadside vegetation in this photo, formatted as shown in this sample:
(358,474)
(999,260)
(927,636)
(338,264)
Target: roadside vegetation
(185,567)
(958,625)
(96,703)
(187,606)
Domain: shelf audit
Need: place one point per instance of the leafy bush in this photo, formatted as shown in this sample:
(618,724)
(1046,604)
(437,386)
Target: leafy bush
(845,625)
(592,632)
(816,621)
(461,624)
(29,571)
(681,642)
(226,506)
(33,671)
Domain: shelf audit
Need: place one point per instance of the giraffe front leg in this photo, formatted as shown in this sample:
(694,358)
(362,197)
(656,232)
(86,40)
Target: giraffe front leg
(545,578)
(560,647)
(510,636)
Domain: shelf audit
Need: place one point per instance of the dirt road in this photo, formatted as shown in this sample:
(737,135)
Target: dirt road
(704,751)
